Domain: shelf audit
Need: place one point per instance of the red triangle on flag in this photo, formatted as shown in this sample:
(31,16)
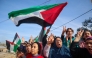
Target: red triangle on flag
(50,15)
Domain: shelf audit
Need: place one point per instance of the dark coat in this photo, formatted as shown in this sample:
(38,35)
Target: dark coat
(79,52)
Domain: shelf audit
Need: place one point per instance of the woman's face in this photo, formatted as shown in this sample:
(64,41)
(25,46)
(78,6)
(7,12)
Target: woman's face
(88,46)
(87,34)
(69,32)
(28,48)
(34,50)
(58,42)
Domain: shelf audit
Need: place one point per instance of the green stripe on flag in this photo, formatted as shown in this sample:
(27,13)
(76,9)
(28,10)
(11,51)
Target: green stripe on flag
(19,42)
(36,39)
(30,10)
(15,47)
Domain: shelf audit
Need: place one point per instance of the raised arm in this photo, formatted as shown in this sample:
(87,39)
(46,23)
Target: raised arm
(44,41)
(47,47)
(74,49)
(63,32)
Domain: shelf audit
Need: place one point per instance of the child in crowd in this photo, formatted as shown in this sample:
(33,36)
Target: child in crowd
(36,50)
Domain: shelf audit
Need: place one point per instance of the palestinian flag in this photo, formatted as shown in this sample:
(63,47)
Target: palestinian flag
(42,15)
(17,39)
(11,46)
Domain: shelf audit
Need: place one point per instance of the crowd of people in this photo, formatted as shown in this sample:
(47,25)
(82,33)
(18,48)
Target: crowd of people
(65,46)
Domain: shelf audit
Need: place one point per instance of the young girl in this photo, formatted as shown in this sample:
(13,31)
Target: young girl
(28,49)
(36,50)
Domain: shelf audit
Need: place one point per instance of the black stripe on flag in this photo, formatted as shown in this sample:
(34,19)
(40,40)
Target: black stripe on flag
(8,45)
(16,35)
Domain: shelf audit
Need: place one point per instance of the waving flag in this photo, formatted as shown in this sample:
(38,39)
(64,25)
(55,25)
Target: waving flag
(42,15)
(17,39)
(11,46)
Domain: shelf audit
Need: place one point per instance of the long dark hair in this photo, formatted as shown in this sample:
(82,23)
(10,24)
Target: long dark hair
(39,47)
(69,29)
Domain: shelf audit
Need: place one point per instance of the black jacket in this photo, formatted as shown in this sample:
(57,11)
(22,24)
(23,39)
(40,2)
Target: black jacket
(44,40)
(79,52)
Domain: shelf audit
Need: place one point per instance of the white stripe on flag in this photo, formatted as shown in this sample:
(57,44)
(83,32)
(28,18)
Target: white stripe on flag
(16,41)
(11,48)
(20,17)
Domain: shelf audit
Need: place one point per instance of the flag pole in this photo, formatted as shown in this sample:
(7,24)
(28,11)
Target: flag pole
(41,35)
(50,27)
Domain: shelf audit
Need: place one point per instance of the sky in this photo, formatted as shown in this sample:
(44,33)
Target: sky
(73,9)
